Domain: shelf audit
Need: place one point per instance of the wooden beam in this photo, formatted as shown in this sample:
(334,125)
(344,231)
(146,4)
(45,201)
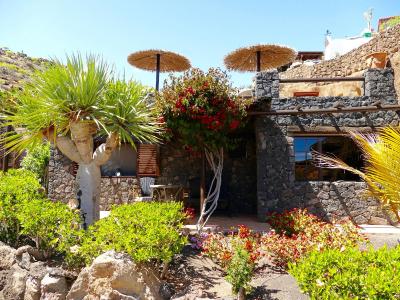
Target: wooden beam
(325,110)
(321,79)
(294,130)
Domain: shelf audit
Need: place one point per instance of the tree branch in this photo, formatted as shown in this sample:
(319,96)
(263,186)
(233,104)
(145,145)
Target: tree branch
(68,148)
(104,151)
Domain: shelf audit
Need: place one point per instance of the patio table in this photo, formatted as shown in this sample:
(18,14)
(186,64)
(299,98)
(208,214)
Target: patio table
(167,192)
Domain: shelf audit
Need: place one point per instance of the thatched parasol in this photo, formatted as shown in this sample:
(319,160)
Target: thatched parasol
(159,61)
(259,57)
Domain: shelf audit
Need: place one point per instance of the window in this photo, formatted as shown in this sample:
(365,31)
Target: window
(340,146)
(121,163)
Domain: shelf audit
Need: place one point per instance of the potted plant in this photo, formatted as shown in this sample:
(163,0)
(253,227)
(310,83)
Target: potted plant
(377,60)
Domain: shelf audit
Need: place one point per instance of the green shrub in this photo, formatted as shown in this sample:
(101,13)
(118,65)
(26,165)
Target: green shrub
(240,268)
(53,226)
(350,274)
(237,253)
(25,214)
(16,186)
(146,231)
(36,160)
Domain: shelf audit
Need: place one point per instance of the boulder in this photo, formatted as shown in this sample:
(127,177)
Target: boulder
(14,287)
(34,252)
(53,287)
(7,257)
(114,275)
(24,261)
(32,289)
(3,278)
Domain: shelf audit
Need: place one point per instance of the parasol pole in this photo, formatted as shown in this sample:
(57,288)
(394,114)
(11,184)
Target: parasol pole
(158,71)
(258,54)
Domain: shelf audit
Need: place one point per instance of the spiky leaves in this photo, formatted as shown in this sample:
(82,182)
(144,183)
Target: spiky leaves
(382,171)
(79,90)
(126,112)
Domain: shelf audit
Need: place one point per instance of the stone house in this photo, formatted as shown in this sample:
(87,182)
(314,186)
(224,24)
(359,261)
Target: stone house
(286,177)
(271,170)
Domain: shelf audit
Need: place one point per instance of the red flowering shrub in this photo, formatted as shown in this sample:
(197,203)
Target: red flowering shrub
(296,233)
(291,222)
(201,108)
(189,212)
(217,247)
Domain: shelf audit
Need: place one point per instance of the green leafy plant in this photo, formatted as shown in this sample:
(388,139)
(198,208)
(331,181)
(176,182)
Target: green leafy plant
(296,233)
(53,226)
(36,160)
(71,104)
(382,171)
(147,231)
(26,215)
(349,274)
(16,187)
(240,269)
(237,253)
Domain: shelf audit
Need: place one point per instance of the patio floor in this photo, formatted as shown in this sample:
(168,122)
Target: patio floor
(223,223)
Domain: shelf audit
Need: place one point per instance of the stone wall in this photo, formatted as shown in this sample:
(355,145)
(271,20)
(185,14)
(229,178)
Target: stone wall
(62,187)
(177,166)
(349,63)
(379,84)
(277,188)
(61,181)
(238,193)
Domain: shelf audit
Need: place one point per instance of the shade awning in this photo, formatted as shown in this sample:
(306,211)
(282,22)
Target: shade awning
(259,58)
(169,61)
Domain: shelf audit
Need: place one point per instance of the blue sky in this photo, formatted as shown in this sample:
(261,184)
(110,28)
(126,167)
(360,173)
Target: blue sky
(204,31)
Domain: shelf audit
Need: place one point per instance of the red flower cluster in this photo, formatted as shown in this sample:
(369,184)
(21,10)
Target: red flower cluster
(221,248)
(201,108)
(215,114)
(189,212)
(292,221)
(243,231)
(234,124)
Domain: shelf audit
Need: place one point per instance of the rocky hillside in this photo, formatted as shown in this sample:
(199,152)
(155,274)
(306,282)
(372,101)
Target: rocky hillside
(15,67)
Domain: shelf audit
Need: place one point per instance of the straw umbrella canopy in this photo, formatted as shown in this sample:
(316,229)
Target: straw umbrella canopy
(259,57)
(159,61)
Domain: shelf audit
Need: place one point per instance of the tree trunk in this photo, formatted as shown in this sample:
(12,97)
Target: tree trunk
(6,156)
(89,178)
(203,182)
(79,148)
(242,294)
(215,158)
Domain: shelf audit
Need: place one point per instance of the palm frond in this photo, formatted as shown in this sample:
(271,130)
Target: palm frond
(124,110)
(54,97)
(382,171)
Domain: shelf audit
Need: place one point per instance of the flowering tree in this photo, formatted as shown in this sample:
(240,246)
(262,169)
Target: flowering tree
(202,110)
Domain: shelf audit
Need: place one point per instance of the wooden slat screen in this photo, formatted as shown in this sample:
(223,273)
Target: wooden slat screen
(148,160)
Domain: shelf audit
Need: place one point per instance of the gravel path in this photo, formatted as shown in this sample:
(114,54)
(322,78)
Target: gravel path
(200,278)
